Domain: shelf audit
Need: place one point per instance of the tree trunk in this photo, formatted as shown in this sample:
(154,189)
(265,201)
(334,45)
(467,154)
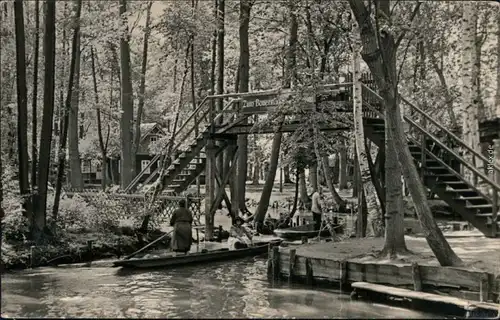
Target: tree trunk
(220,87)
(375,223)
(142,86)
(60,105)
(394,210)
(313,176)
(260,212)
(2,212)
(73,73)
(497,96)
(304,197)
(286,175)
(355,177)
(476,74)
(103,146)
(342,167)
(76,177)
(22,108)
(256,165)
(193,84)
(372,55)
(244,78)
(296,195)
(340,203)
(49,38)
(34,111)
(127,107)
(336,168)
(470,123)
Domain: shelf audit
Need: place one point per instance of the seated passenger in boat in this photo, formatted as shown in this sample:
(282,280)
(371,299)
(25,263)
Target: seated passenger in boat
(182,220)
(239,236)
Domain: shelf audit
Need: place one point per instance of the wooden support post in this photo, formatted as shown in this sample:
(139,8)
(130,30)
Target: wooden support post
(209,189)
(291,265)
(343,273)
(225,197)
(309,272)
(222,191)
(234,187)
(417,278)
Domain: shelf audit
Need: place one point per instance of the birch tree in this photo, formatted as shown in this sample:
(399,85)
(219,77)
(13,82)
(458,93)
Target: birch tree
(470,105)
(375,222)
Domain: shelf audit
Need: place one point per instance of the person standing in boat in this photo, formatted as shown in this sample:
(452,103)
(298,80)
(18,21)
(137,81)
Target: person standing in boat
(182,221)
(239,236)
(316,208)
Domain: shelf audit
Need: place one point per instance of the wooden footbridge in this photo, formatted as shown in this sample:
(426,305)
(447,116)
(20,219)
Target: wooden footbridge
(440,155)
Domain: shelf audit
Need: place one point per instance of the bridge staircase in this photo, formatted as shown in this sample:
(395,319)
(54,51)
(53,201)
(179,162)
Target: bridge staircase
(188,152)
(441,158)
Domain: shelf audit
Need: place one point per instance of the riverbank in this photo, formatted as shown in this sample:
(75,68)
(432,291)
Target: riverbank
(357,260)
(71,248)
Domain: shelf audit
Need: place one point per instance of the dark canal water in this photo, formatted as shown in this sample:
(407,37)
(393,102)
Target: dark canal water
(222,290)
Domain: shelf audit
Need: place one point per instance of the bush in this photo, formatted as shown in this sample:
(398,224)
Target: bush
(75,214)
(15,226)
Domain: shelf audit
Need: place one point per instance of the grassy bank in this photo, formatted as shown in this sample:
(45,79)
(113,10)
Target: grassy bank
(83,231)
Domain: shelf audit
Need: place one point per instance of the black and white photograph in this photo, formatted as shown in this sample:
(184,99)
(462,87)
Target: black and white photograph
(250,159)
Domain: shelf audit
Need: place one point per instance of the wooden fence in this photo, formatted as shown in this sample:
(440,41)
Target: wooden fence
(134,206)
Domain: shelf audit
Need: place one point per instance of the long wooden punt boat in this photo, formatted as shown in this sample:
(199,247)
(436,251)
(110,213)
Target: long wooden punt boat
(171,260)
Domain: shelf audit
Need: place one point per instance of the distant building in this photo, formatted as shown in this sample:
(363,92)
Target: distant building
(150,133)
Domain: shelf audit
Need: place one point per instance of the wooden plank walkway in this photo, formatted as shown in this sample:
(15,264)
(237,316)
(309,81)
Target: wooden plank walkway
(471,307)
(347,262)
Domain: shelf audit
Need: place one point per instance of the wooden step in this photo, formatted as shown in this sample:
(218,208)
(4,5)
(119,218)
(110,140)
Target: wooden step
(485,215)
(483,207)
(453,183)
(438,169)
(473,198)
(463,192)
(447,177)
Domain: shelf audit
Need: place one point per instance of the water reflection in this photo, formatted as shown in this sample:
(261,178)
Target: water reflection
(221,290)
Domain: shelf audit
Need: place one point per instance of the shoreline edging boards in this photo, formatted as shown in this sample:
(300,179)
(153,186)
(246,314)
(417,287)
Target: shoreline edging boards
(287,263)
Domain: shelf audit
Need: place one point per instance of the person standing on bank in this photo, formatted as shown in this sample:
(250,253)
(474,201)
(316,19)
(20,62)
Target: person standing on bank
(182,221)
(316,208)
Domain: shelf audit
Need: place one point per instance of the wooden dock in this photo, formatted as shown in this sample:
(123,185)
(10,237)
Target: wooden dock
(330,263)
